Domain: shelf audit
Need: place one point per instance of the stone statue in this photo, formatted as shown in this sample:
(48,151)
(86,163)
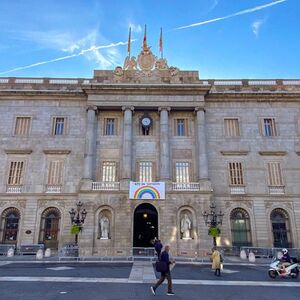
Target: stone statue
(130,63)
(185,227)
(104,228)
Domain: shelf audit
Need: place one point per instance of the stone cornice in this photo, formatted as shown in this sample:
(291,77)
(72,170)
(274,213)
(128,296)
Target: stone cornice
(234,152)
(272,153)
(57,151)
(18,151)
(141,89)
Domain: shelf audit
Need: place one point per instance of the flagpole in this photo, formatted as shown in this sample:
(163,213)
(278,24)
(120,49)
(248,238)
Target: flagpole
(129,43)
(161,44)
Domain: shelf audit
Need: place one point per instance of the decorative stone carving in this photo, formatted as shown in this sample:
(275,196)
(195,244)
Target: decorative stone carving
(104,228)
(118,71)
(174,71)
(185,227)
(146,59)
(161,64)
(130,63)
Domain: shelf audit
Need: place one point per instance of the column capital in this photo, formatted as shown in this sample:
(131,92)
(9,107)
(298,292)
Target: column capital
(199,108)
(164,108)
(127,107)
(92,107)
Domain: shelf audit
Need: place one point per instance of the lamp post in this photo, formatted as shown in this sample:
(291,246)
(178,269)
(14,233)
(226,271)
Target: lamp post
(213,219)
(77,217)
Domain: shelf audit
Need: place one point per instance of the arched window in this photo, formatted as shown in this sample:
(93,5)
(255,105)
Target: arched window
(50,227)
(240,228)
(9,225)
(281,228)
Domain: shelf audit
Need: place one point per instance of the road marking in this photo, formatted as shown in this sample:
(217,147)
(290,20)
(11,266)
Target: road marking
(3,263)
(142,271)
(227,271)
(126,280)
(60,268)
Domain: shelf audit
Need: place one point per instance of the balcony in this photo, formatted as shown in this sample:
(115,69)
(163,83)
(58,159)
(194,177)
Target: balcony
(106,186)
(186,186)
(14,188)
(53,188)
(237,190)
(276,190)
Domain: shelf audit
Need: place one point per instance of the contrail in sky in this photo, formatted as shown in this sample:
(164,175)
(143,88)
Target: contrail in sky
(242,12)
(82,52)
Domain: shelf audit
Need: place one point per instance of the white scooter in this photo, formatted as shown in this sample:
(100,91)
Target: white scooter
(277,270)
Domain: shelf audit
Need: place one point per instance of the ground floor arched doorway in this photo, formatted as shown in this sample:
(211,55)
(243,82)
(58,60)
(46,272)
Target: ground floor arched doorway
(145,226)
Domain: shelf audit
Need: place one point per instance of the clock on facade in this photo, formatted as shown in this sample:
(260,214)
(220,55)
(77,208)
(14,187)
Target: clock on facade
(146,121)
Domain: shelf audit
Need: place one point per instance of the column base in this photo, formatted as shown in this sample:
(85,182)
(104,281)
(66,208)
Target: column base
(86,184)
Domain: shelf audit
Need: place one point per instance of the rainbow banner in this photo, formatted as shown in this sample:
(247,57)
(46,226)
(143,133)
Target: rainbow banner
(147,191)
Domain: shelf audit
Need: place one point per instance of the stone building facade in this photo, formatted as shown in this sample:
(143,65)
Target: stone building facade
(234,143)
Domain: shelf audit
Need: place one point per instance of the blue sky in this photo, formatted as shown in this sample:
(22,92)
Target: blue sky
(219,38)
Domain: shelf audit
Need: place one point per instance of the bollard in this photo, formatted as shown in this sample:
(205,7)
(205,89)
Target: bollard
(39,254)
(48,252)
(10,252)
(243,254)
(251,257)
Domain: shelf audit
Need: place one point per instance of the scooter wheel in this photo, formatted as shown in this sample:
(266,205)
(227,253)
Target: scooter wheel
(272,274)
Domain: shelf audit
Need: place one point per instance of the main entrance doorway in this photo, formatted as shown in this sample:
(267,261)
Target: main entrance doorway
(145,227)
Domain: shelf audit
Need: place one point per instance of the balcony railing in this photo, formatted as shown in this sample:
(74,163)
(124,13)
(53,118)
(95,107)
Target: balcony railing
(276,190)
(53,188)
(237,190)
(106,186)
(14,188)
(186,186)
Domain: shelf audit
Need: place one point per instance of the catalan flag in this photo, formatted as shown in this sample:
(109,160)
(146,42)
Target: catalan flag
(161,43)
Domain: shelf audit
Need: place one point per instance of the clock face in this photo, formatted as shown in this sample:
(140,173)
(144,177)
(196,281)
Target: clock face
(146,121)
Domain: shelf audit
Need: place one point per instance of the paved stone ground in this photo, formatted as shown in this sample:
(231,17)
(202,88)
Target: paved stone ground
(118,281)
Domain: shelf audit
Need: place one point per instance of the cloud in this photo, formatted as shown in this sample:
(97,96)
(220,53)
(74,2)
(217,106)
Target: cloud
(243,12)
(256,25)
(93,49)
(135,28)
(214,4)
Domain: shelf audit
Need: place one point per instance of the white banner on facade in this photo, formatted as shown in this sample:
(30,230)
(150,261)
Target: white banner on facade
(145,190)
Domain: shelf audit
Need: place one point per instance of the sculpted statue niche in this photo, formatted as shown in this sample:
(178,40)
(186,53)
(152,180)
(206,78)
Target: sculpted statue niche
(104,227)
(185,227)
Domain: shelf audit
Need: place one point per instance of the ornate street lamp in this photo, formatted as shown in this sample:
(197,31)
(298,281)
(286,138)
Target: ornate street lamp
(213,219)
(77,218)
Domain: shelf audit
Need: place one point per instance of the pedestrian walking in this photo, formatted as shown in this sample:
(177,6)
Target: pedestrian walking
(158,246)
(216,261)
(164,257)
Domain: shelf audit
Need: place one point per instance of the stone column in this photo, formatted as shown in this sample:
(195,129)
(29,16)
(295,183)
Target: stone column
(90,144)
(164,170)
(201,145)
(127,143)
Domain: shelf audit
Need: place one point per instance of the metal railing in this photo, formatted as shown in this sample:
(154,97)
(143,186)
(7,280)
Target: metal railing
(186,186)
(106,186)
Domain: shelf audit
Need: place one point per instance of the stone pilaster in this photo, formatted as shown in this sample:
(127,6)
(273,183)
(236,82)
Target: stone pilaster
(127,145)
(164,170)
(90,148)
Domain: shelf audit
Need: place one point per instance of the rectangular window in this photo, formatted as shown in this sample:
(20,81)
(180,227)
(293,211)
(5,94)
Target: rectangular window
(59,126)
(55,175)
(16,170)
(109,170)
(146,171)
(110,126)
(274,172)
(22,127)
(232,127)
(236,173)
(269,128)
(182,172)
(181,127)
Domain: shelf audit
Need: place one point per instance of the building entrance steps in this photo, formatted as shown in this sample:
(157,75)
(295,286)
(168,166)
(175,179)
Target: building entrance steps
(142,271)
